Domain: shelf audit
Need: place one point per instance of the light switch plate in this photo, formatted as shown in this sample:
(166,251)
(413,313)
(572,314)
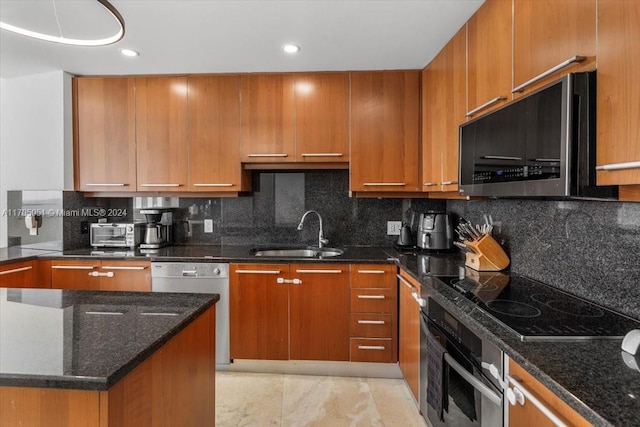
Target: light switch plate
(393,228)
(208,226)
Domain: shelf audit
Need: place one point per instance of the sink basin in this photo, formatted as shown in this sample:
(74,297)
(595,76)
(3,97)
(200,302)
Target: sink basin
(298,253)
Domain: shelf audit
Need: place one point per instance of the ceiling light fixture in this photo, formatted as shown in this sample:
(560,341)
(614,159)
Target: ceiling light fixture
(291,48)
(129,52)
(75,42)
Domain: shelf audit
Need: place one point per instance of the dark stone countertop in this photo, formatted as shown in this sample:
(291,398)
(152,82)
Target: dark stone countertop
(73,339)
(589,375)
(17,254)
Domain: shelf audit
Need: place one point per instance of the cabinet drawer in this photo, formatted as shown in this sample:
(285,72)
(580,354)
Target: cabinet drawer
(373,275)
(372,350)
(371,325)
(372,300)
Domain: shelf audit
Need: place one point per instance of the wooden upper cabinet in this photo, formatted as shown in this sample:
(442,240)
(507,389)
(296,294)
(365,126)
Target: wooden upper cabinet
(549,32)
(322,117)
(213,133)
(489,57)
(385,109)
(104,133)
(161,133)
(618,92)
(267,133)
(443,110)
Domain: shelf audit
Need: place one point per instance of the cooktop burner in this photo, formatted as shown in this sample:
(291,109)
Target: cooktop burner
(535,311)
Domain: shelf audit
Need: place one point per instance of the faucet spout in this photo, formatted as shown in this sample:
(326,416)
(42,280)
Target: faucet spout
(321,240)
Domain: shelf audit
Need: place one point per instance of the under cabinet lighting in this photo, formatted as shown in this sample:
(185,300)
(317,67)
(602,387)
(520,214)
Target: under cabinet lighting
(291,48)
(129,52)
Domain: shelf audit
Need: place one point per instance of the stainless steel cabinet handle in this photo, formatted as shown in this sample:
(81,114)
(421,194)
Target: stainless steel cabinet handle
(213,185)
(421,301)
(267,155)
(105,313)
(485,105)
(473,381)
(189,273)
(618,166)
(98,274)
(517,385)
(144,313)
(371,297)
(501,158)
(404,282)
(15,270)
(96,184)
(319,271)
(546,160)
(383,184)
(449,182)
(550,71)
(321,154)
(118,267)
(371,347)
(429,184)
(281,280)
(371,322)
(258,271)
(73,267)
(371,271)
(160,185)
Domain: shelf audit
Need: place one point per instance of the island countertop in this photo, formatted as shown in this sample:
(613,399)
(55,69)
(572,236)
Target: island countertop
(83,339)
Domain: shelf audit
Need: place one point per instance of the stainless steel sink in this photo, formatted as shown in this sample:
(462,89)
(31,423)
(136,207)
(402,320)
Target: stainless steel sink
(298,253)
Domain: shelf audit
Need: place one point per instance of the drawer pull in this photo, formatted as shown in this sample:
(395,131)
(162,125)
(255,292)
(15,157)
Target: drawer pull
(371,271)
(321,154)
(485,105)
(618,166)
(15,270)
(213,185)
(122,267)
(73,267)
(320,271)
(371,322)
(429,184)
(267,155)
(550,71)
(519,394)
(371,347)
(371,297)
(258,271)
(159,185)
(449,182)
(404,282)
(105,313)
(384,184)
(92,184)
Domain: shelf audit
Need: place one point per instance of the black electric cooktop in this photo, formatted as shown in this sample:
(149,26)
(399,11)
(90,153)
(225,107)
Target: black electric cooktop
(535,311)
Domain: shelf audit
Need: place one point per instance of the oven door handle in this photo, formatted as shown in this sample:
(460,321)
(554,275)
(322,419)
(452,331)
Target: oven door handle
(475,383)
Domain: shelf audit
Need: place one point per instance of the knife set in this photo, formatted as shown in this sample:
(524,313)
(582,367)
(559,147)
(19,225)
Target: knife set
(482,252)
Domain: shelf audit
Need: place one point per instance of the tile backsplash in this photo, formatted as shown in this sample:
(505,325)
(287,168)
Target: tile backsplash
(586,248)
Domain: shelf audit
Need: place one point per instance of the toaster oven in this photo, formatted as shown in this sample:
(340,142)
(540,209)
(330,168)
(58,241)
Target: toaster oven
(116,235)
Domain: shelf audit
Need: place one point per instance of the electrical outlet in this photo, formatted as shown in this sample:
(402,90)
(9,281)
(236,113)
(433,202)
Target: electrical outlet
(208,226)
(393,228)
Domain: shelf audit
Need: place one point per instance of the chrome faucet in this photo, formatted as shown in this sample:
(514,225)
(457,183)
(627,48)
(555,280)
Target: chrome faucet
(321,239)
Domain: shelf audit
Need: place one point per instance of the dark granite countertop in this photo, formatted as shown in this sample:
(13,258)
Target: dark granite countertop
(17,254)
(83,339)
(589,375)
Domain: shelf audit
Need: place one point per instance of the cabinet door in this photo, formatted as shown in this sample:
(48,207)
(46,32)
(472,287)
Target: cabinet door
(528,415)
(489,54)
(75,274)
(409,335)
(125,276)
(214,134)
(104,129)
(161,133)
(548,32)
(319,312)
(384,131)
(17,275)
(322,117)
(618,92)
(259,311)
(267,133)
(444,106)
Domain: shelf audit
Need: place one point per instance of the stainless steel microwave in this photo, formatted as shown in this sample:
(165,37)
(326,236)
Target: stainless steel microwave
(116,235)
(541,145)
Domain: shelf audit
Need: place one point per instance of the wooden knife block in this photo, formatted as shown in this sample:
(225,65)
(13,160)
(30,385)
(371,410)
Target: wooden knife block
(487,255)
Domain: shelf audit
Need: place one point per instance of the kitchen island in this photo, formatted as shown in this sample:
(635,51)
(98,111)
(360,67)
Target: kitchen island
(80,358)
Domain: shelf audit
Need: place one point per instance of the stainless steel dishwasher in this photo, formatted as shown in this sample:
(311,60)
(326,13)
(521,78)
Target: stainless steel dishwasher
(199,278)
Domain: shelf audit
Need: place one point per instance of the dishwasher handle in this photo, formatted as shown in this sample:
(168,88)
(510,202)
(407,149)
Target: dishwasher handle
(189,273)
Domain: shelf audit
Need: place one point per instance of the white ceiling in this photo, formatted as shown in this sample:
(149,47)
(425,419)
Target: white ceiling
(207,36)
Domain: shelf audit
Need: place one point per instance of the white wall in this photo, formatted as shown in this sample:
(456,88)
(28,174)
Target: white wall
(36,144)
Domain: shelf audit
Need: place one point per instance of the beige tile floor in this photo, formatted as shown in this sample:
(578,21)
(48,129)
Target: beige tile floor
(249,399)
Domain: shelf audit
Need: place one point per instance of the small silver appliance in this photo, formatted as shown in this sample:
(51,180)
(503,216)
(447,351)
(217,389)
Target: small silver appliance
(116,235)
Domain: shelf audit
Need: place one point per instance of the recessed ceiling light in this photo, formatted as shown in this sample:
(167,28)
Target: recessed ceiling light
(129,52)
(290,48)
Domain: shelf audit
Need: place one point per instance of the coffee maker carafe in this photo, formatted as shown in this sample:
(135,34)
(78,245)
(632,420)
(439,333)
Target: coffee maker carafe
(156,234)
(435,231)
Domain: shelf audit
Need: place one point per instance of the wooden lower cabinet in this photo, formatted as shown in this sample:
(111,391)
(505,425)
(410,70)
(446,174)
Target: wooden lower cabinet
(528,415)
(374,306)
(97,275)
(175,386)
(409,333)
(19,275)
